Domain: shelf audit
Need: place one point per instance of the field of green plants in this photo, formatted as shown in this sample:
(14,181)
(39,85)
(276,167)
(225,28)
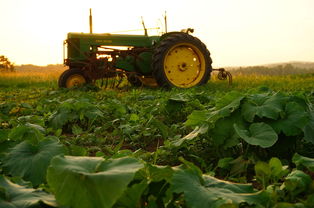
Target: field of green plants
(218,146)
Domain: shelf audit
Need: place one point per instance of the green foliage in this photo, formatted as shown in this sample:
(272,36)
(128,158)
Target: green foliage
(17,196)
(297,182)
(271,172)
(72,111)
(139,137)
(191,136)
(77,180)
(30,161)
(131,197)
(309,129)
(294,119)
(224,107)
(206,191)
(259,134)
(263,106)
(302,162)
(28,131)
(259,119)
(224,134)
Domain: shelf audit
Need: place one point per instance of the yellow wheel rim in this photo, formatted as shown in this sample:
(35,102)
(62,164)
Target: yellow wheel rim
(184,65)
(75,80)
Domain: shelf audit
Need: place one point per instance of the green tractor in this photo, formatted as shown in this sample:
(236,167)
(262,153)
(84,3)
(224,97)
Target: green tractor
(174,59)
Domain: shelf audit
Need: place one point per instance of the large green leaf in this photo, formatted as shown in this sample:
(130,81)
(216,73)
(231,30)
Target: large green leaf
(226,110)
(16,196)
(90,181)
(277,169)
(163,128)
(62,115)
(262,173)
(229,99)
(6,107)
(297,182)
(4,133)
(309,129)
(87,109)
(259,134)
(181,98)
(204,120)
(28,131)
(270,172)
(147,184)
(225,106)
(131,197)
(289,205)
(191,136)
(294,119)
(155,173)
(31,161)
(5,148)
(302,161)
(206,191)
(223,134)
(263,105)
(197,118)
(34,119)
(74,110)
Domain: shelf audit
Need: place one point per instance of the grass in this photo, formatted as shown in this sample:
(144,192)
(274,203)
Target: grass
(287,83)
(241,81)
(20,79)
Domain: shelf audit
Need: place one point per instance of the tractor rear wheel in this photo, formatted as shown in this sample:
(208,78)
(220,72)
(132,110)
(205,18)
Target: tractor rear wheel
(73,78)
(181,60)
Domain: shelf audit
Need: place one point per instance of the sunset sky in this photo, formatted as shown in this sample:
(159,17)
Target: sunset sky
(237,32)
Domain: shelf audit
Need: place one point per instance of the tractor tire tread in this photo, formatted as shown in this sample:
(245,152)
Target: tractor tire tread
(67,73)
(161,50)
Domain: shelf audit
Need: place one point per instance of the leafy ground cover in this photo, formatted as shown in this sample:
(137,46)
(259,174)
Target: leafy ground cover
(212,146)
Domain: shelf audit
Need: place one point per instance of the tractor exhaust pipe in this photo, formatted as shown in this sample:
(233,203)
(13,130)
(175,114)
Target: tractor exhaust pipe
(90,21)
(165,18)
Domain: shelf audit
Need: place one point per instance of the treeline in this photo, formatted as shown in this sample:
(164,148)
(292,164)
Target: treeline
(282,69)
(5,64)
(35,68)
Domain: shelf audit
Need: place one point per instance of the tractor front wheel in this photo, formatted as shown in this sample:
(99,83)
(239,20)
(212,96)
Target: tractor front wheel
(73,78)
(181,60)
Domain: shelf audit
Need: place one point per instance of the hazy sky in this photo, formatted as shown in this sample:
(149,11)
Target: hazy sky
(237,32)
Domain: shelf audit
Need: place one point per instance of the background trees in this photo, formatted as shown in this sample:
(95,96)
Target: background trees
(5,64)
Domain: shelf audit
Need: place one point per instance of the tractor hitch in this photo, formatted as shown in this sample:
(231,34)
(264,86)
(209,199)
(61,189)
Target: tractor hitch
(223,75)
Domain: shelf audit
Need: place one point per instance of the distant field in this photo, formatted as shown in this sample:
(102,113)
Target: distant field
(282,77)
(28,75)
(286,69)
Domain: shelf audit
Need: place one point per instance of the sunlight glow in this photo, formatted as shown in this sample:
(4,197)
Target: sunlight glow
(237,32)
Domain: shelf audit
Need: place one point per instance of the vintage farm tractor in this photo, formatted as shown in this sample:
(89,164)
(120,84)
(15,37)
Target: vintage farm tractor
(174,59)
